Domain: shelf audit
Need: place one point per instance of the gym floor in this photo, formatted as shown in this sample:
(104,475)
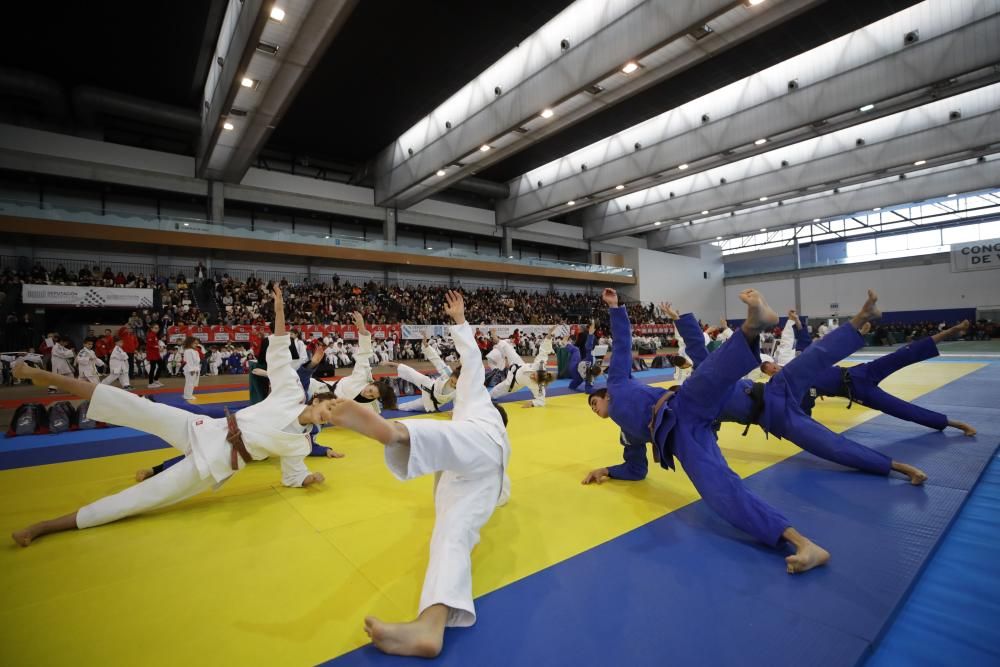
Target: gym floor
(623,573)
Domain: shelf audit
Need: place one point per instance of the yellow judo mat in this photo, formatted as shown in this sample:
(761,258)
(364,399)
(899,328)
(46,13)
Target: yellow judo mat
(261,574)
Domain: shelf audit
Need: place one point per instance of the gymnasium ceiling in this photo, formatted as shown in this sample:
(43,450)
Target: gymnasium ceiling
(388,64)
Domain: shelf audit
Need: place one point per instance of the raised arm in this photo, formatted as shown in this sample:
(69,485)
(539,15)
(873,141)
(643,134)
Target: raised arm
(694,338)
(620,367)
(473,373)
(279,311)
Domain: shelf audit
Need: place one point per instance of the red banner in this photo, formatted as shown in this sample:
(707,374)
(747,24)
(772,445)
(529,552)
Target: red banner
(653,329)
(221,334)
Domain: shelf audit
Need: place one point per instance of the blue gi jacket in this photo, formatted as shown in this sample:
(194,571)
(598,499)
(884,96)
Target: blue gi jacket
(631,402)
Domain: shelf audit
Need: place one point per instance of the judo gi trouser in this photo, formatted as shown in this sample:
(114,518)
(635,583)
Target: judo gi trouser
(190,382)
(122,378)
(865,379)
(784,417)
(90,376)
(697,405)
(180,482)
(469,475)
(421,381)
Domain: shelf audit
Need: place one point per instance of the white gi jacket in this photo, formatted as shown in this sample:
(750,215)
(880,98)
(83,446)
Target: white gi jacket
(518,376)
(88,362)
(119,361)
(60,360)
(350,386)
(786,344)
(263,426)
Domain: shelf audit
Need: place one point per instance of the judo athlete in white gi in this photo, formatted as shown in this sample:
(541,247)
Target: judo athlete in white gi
(436,392)
(118,366)
(469,456)
(521,376)
(215,448)
(87,362)
(360,386)
(192,367)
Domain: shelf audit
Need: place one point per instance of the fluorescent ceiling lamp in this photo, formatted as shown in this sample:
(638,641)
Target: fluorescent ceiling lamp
(619,187)
(704,212)
(227,125)
(760,142)
(919,163)
(877,208)
(953,194)
(485,147)
(754,3)
(570,202)
(547,113)
(278,14)
(763,229)
(718,238)
(867,107)
(764,198)
(815,219)
(630,67)
(247,82)
(441,172)
(682,167)
(657,223)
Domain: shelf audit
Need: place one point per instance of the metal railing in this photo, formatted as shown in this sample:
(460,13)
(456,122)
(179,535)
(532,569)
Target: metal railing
(200,226)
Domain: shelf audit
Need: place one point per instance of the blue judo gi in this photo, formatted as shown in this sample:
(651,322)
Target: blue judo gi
(574,361)
(682,428)
(860,383)
(776,405)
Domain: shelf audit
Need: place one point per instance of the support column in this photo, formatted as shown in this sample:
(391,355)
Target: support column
(389,227)
(508,242)
(216,202)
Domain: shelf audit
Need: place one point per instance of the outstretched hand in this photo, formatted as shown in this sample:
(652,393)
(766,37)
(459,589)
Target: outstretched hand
(596,476)
(454,306)
(668,310)
(279,299)
(610,297)
(359,322)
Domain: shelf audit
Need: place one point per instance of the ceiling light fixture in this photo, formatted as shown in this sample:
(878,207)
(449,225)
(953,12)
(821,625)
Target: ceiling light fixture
(953,194)
(682,167)
(764,198)
(867,107)
(657,223)
(760,142)
(441,172)
(429,248)
(718,238)
(763,229)
(919,163)
(619,187)
(228,126)
(630,67)
(754,3)
(485,147)
(247,82)
(570,202)
(704,212)
(547,113)
(278,14)
(815,219)
(877,208)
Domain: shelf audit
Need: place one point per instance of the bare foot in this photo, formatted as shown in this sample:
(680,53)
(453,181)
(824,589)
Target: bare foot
(760,315)
(965,428)
(143,474)
(916,475)
(870,310)
(417,638)
(23,537)
(808,556)
(952,332)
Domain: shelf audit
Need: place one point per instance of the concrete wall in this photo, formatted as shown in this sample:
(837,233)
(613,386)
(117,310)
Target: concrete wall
(922,283)
(680,279)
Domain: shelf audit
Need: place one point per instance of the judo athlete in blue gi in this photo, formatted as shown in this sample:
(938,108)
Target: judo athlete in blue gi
(679,424)
(860,383)
(311,387)
(775,405)
(581,371)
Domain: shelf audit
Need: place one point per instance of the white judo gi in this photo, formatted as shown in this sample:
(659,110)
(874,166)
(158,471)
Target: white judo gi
(785,351)
(545,349)
(350,387)
(518,376)
(431,389)
(118,367)
(192,371)
(87,363)
(469,456)
(269,428)
(61,357)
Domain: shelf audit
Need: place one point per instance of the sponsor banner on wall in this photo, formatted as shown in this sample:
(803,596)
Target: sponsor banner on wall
(87,297)
(975,256)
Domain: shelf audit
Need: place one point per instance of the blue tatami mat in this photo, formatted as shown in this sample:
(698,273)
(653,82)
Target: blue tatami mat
(689,589)
(953,615)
